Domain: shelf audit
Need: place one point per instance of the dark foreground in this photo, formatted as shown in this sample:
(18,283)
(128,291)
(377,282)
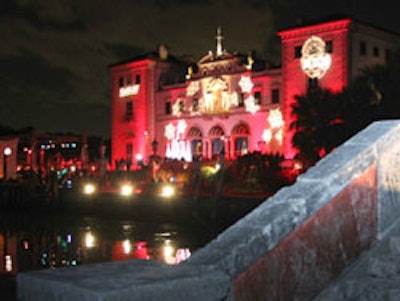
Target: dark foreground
(202,218)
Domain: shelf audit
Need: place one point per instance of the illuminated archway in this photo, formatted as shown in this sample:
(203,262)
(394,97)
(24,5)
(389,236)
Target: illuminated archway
(216,135)
(195,136)
(240,134)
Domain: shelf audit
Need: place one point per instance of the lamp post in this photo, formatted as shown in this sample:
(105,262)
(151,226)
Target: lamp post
(6,152)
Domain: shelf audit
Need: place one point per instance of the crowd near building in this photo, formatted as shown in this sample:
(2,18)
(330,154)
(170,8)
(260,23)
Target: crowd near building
(231,103)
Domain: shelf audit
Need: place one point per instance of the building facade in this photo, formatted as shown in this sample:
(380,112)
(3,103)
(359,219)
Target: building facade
(233,103)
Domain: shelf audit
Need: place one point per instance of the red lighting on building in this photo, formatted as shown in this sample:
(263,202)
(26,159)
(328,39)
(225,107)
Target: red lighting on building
(225,101)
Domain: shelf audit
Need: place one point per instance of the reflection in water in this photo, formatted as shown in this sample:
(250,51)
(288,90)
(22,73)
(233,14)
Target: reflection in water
(29,242)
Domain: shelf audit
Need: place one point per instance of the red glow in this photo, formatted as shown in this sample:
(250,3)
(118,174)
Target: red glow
(132,133)
(295,80)
(141,250)
(313,29)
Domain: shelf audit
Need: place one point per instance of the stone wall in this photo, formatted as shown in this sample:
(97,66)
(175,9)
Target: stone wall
(305,261)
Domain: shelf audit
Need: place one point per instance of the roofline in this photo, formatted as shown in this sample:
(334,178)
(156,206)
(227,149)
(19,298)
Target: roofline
(318,26)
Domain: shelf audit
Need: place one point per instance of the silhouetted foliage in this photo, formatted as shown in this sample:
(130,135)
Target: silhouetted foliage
(318,123)
(324,120)
(256,172)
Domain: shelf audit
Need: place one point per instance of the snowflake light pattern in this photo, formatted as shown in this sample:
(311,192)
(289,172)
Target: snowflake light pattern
(246,84)
(169,131)
(267,135)
(275,118)
(251,105)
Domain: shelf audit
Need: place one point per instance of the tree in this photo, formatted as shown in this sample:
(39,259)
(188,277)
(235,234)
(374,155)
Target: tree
(317,124)
(323,120)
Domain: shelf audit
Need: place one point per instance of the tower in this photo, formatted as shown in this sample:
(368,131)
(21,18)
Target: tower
(328,54)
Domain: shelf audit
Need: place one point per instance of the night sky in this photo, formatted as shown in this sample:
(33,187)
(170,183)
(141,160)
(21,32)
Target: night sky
(54,53)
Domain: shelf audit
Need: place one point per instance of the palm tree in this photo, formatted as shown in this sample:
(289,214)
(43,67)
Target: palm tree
(317,124)
(323,120)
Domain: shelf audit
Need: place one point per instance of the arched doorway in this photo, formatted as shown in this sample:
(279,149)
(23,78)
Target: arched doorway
(240,135)
(216,135)
(195,136)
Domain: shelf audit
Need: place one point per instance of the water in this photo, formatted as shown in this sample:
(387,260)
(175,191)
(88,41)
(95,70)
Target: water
(92,231)
(78,230)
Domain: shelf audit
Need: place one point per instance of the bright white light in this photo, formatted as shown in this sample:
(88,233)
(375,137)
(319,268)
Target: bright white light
(126,190)
(298,165)
(89,188)
(167,191)
(7,151)
(177,147)
(246,84)
(89,240)
(279,136)
(127,246)
(8,263)
(314,61)
(275,118)
(267,135)
(169,250)
(73,168)
(251,105)
(182,254)
(181,127)
(128,90)
(169,131)
(139,157)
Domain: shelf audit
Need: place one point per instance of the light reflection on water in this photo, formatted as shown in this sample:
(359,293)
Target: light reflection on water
(35,242)
(105,229)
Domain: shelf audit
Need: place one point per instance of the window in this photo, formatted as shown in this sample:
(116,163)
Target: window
(121,81)
(137,79)
(376,51)
(168,108)
(129,110)
(129,80)
(241,146)
(297,52)
(217,145)
(240,100)
(197,147)
(195,105)
(257,97)
(181,106)
(275,95)
(363,48)
(329,46)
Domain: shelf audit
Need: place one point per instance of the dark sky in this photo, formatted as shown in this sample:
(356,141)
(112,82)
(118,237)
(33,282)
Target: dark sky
(54,53)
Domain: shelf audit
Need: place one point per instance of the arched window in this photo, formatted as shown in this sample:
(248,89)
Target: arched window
(240,134)
(216,135)
(196,137)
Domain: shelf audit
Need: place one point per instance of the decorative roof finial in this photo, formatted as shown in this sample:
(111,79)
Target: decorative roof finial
(219,38)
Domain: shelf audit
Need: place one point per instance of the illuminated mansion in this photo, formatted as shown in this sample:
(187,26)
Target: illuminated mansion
(233,102)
